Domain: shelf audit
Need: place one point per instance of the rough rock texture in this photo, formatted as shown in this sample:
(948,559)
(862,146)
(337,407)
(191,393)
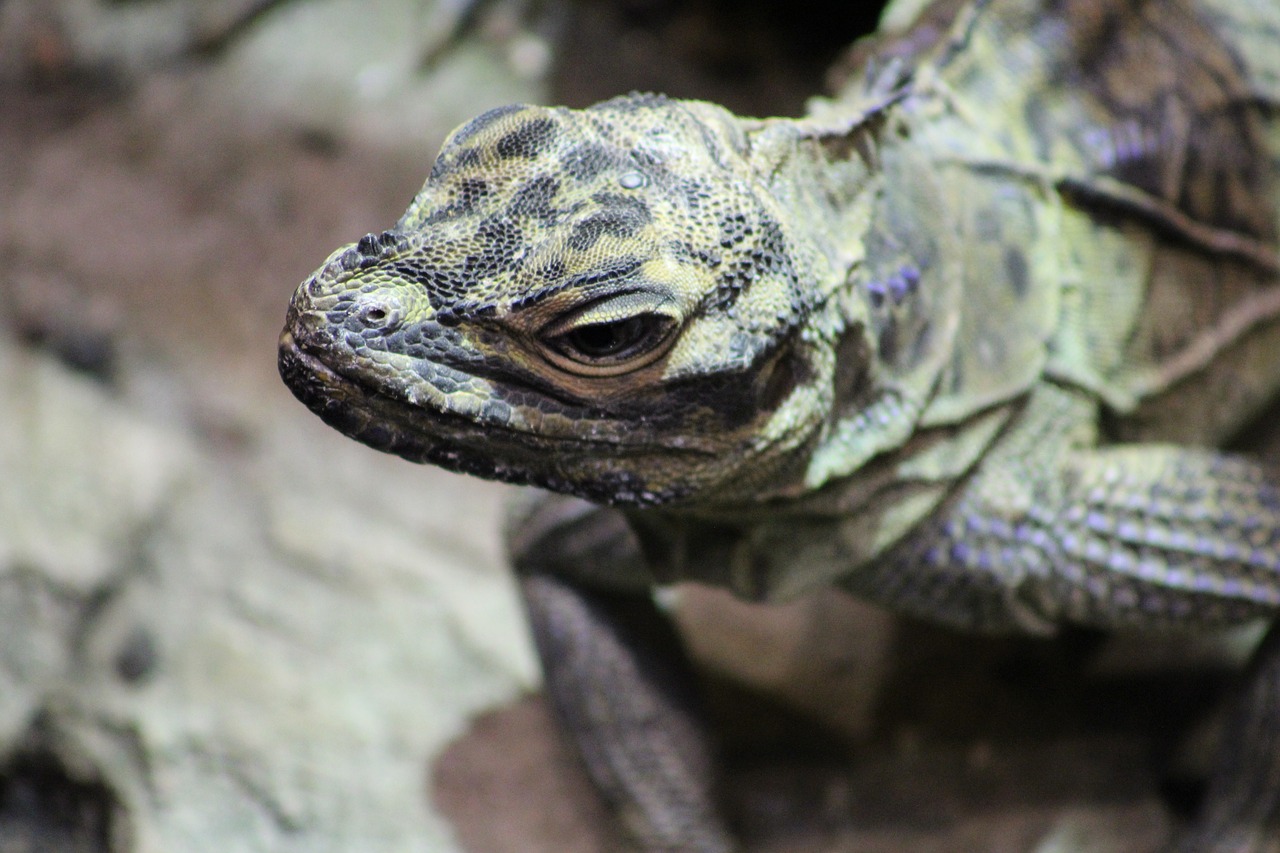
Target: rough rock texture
(249,650)
(222,626)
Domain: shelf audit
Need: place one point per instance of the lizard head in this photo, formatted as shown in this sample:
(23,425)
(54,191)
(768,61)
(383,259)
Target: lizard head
(602,302)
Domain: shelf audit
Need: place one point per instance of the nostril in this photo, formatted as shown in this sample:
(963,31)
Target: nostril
(377,315)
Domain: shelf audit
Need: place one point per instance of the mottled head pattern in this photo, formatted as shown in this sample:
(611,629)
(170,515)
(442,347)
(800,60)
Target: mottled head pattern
(570,288)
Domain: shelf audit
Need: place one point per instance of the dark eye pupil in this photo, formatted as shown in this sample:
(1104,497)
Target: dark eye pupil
(600,340)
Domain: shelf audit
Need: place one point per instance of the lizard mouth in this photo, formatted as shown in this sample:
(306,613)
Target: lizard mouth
(358,410)
(478,446)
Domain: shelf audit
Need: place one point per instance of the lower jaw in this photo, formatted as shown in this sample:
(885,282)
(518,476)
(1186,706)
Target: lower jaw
(465,448)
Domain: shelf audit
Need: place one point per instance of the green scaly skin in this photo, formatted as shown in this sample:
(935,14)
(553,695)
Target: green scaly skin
(873,347)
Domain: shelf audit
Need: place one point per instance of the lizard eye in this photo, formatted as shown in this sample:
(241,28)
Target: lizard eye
(608,340)
(609,346)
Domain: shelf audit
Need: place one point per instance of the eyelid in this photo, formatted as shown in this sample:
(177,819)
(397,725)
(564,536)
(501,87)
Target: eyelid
(611,309)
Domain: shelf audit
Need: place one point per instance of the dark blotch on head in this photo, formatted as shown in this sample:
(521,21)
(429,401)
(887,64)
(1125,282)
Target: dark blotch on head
(500,238)
(457,161)
(752,253)
(621,216)
(469,192)
(455,155)
(534,198)
(466,196)
(585,162)
(554,270)
(483,120)
(443,286)
(527,140)
(588,231)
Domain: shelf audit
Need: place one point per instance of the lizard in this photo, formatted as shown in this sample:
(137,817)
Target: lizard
(965,340)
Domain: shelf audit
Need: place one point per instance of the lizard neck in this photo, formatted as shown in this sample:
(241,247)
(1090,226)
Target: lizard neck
(881,238)
(870,225)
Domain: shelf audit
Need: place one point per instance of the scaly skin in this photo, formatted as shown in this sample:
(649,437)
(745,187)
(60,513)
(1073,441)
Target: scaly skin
(957,341)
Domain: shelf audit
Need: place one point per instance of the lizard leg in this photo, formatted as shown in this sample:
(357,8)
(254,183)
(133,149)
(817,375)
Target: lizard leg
(1051,528)
(616,674)
(1145,536)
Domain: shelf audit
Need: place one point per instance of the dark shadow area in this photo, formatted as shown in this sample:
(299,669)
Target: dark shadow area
(979,743)
(755,57)
(44,810)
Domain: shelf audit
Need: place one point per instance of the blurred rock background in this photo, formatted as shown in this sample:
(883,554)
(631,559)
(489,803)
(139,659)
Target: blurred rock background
(224,627)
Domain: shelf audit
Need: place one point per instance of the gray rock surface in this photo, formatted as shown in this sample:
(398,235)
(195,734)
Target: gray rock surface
(252,651)
(223,627)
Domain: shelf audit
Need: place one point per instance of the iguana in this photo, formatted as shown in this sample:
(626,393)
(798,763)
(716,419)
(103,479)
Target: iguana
(960,340)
